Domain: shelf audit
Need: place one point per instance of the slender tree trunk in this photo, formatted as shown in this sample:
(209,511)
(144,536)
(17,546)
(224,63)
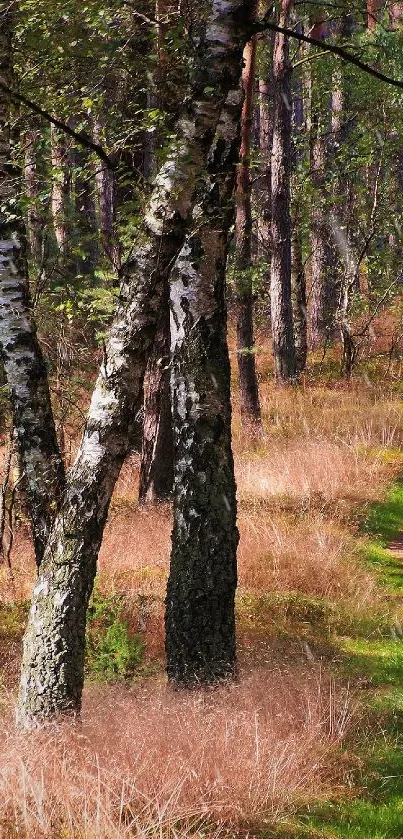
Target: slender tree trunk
(156,470)
(280,276)
(35,222)
(200,619)
(21,354)
(265,148)
(106,193)
(248,384)
(373,9)
(53,657)
(61,183)
(298,297)
(86,221)
(323,292)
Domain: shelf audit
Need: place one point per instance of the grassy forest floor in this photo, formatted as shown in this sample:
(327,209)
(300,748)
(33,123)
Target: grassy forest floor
(309,741)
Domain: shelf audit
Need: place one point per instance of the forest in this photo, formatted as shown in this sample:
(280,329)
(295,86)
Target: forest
(201,419)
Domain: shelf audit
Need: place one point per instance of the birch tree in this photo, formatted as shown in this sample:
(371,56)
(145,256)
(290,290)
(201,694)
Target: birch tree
(200,619)
(21,353)
(53,656)
(280,277)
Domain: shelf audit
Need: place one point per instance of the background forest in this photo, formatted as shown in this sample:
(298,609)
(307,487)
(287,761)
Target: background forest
(201,328)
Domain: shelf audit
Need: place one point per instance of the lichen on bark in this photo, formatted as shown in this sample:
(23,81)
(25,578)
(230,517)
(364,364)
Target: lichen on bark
(52,670)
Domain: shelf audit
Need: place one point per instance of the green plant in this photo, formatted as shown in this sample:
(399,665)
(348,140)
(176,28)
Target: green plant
(113,651)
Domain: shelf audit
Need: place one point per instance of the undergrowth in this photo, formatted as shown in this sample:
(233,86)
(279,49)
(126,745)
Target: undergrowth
(372,806)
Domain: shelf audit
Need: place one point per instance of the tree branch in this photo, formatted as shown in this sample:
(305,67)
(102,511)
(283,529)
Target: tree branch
(264,24)
(82,139)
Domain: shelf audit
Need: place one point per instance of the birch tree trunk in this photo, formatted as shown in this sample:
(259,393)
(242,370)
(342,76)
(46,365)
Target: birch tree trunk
(200,620)
(248,384)
(53,657)
(21,354)
(280,276)
(156,469)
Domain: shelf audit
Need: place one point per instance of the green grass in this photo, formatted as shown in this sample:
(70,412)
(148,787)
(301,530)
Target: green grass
(374,807)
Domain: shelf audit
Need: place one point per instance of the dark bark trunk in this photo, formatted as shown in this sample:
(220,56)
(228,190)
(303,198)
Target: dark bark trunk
(200,619)
(53,658)
(21,354)
(373,11)
(280,275)
(156,471)
(86,220)
(248,384)
(106,193)
(298,298)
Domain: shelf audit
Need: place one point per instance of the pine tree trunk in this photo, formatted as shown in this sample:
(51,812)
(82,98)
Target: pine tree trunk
(265,148)
(53,658)
(280,276)
(21,354)
(86,226)
(200,620)
(373,10)
(323,292)
(106,194)
(248,384)
(156,470)
(298,297)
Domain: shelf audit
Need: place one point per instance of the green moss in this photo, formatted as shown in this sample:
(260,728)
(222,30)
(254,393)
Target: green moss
(373,662)
(13,619)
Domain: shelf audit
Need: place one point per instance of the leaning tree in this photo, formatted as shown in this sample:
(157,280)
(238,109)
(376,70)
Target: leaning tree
(53,656)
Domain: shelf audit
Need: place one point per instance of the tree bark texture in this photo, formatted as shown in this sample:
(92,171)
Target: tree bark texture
(248,384)
(323,292)
(53,658)
(280,275)
(156,470)
(106,195)
(21,354)
(85,215)
(298,298)
(200,620)
(35,222)
(61,187)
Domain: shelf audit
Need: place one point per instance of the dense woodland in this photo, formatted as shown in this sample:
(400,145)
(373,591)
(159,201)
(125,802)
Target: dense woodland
(201,328)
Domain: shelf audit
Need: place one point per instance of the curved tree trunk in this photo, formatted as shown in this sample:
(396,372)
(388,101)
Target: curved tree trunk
(248,384)
(280,275)
(200,619)
(53,658)
(21,354)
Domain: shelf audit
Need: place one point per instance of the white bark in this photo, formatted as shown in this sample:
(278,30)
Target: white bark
(52,673)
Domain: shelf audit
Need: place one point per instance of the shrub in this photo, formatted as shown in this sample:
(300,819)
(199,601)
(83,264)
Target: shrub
(112,650)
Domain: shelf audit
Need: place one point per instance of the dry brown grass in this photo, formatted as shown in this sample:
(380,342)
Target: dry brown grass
(152,762)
